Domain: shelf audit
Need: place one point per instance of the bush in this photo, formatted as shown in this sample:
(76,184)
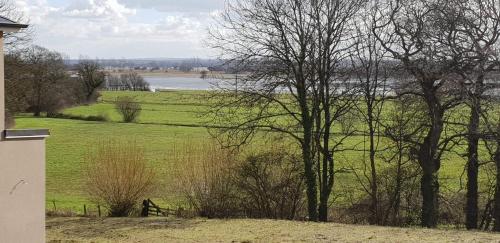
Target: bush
(98,118)
(205,180)
(271,185)
(398,199)
(128,107)
(118,177)
(216,183)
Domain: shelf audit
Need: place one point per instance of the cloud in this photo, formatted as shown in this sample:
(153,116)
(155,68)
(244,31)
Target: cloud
(177,5)
(98,9)
(111,28)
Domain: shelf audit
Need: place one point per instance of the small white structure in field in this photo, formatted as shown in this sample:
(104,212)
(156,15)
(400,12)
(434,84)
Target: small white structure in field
(22,170)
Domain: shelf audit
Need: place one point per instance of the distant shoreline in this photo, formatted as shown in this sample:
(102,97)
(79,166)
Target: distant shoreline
(175,74)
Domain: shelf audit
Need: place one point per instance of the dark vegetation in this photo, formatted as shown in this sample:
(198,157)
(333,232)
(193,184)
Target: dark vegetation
(37,81)
(99,118)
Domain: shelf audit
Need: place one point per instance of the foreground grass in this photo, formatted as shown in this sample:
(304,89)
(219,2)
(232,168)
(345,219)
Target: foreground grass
(244,230)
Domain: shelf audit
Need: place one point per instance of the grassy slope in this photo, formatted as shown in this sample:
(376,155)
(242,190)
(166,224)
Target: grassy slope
(158,130)
(71,139)
(202,230)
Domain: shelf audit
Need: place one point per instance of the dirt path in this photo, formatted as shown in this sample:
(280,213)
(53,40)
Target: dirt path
(201,230)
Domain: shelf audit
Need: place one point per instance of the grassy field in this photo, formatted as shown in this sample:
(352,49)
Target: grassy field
(71,139)
(169,120)
(203,230)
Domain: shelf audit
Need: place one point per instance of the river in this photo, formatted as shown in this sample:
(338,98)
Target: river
(179,83)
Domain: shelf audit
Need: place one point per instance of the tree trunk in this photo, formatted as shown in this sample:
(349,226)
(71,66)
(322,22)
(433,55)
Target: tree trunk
(373,186)
(310,175)
(36,112)
(429,158)
(430,191)
(323,207)
(326,187)
(471,209)
(496,207)
(312,197)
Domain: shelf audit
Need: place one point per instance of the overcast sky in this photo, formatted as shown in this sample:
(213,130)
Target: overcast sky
(122,28)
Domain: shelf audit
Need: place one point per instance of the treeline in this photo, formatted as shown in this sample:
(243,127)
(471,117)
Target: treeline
(128,81)
(37,81)
(337,62)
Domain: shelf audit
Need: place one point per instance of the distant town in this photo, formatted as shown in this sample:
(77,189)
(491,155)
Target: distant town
(157,65)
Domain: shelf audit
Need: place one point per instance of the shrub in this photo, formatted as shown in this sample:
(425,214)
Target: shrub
(118,177)
(271,185)
(216,183)
(205,180)
(128,107)
(398,199)
(99,118)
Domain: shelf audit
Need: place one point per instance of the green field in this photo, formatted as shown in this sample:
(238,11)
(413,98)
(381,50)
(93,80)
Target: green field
(169,120)
(71,139)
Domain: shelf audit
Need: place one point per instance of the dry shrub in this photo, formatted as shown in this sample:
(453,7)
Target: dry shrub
(451,208)
(118,176)
(218,183)
(398,199)
(205,179)
(271,185)
(128,107)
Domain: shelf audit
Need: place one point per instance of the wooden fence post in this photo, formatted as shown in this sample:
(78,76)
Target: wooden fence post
(145,208)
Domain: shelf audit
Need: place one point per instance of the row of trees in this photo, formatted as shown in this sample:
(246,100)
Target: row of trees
(37,81)
(128,81)
(314,65)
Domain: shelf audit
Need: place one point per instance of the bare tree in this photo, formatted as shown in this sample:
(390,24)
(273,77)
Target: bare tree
(371,72)
(133,81)
(493,145)
(403,117)
(478,29)
(91,77)
(295,53)
(38,78)
(420,33)
(15,95)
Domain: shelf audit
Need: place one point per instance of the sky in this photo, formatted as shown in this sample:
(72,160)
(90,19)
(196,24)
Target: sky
(122,28)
